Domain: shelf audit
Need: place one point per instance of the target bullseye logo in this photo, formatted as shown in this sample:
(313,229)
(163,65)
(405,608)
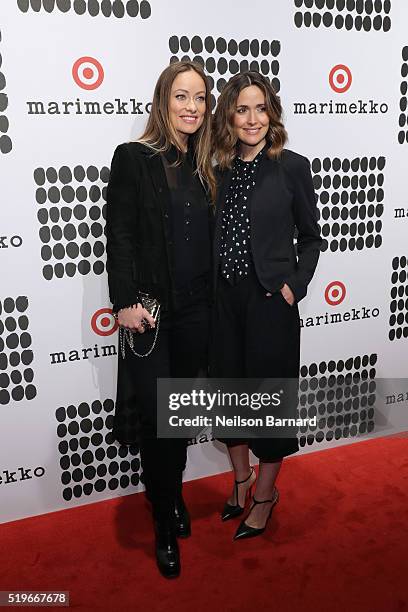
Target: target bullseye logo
(340,78)
(335,293)
(88,73)
(103,322)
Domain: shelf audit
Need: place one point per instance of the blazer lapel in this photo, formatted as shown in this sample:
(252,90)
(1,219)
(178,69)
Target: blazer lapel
(223,184)
(224,181)
(267,171)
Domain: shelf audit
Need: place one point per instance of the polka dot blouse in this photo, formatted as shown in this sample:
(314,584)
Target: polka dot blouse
(235,224)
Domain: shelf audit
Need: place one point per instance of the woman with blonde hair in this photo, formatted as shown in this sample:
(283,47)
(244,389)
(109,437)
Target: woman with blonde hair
(264,193)
(158,262)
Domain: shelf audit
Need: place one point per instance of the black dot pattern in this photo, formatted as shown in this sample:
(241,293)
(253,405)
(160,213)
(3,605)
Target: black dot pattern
(235,225)
(403,117)
(399,299)
(5,141)
(90,460)
(342,395)
(360,15)
(223,58)
(16,354)
(350,193)
(94,8)
(71,214)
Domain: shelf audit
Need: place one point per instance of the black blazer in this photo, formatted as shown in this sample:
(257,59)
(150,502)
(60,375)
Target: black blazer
(283,198)
(139,241)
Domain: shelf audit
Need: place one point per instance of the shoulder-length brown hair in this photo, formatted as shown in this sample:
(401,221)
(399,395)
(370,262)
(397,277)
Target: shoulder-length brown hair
(225,140)
(160,134)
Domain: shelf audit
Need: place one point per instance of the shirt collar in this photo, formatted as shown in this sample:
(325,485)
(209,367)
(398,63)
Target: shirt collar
(173,154)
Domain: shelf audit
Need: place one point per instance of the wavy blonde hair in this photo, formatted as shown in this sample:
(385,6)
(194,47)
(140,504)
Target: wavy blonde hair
(225,141)
(160,134)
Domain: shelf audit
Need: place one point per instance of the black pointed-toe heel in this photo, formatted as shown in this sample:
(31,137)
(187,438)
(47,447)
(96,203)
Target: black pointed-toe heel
(232,511)
(244,530)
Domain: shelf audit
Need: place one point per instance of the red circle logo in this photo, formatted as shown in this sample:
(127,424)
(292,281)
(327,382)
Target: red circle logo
(103,322)
(88,73)
(340,78)
(335,293)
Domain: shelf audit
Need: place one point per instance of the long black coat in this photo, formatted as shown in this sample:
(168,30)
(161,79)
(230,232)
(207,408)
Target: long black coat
(283,199)
(139,256)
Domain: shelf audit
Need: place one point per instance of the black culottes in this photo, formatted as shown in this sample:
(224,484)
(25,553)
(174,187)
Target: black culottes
(255,336)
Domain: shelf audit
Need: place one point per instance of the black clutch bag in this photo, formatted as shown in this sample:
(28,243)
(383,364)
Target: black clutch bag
(151,305)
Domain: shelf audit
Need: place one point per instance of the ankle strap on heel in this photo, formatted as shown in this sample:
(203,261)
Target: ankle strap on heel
(265,501)
(237,482)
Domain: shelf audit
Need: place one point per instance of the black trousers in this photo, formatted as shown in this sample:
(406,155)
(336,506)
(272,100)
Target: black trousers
(181,351)
(255,336)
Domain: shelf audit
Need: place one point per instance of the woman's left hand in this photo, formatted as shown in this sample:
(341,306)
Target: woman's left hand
(287,293)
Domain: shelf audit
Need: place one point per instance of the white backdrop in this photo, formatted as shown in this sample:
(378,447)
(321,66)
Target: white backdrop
(57,372)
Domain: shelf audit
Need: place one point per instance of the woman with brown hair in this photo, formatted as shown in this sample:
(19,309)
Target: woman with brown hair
(264,192)
(158,259)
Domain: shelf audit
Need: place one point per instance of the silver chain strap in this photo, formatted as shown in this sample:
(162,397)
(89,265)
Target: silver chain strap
(127,336)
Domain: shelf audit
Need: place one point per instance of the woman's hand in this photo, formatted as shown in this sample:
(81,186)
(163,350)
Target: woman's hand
(287,293)
(131,318)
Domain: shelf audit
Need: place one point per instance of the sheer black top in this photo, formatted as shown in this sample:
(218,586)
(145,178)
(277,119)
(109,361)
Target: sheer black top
(189,221)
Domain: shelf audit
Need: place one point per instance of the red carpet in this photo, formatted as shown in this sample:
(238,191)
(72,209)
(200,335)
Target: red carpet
(338,540)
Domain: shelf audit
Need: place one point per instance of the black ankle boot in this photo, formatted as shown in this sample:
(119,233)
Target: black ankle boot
(182,518)
(167,550)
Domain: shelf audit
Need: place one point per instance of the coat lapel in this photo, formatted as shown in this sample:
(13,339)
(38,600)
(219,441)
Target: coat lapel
(159,182)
